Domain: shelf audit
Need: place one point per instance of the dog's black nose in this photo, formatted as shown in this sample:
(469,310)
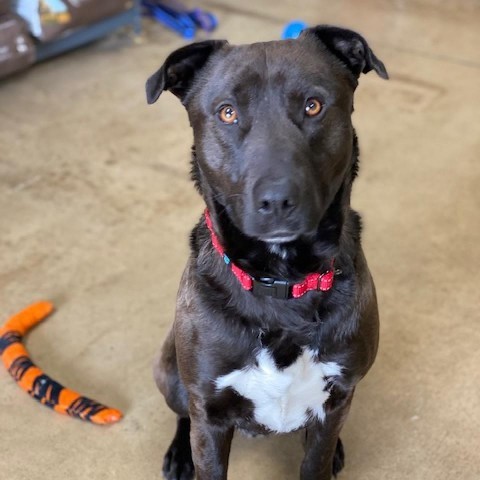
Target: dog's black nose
(277,199)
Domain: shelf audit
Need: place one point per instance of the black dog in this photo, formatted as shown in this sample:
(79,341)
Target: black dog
(276,317)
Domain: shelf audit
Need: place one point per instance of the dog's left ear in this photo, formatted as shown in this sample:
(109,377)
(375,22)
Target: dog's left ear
(179,69)
(351,48)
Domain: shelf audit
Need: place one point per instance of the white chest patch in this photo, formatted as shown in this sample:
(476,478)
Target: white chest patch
(283,399)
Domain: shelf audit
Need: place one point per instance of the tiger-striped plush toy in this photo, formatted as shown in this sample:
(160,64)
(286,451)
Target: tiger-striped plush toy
(35,382)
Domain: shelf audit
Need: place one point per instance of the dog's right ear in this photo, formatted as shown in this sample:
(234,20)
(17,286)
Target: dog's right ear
(179,69)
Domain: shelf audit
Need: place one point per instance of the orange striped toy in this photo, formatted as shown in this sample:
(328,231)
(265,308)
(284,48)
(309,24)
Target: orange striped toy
(34,381)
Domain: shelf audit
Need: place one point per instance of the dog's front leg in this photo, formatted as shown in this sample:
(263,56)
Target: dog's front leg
(324,455)
(210,448)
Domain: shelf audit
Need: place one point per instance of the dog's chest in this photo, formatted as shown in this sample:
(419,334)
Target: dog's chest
(284,399)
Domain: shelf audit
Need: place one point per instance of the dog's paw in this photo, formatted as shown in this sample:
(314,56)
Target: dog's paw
(338,458)
(178,464)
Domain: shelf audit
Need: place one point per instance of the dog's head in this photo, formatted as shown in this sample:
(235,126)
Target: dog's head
(272,124)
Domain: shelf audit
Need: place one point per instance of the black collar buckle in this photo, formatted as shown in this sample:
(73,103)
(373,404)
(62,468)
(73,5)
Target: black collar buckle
(269,287)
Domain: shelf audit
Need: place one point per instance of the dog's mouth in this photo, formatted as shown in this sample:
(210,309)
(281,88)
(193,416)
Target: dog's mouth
(276,234)
(279,237)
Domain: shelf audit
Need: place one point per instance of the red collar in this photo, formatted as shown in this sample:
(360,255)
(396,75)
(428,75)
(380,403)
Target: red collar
(270,286)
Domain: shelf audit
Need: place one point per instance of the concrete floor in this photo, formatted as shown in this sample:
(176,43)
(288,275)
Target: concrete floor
(95,209)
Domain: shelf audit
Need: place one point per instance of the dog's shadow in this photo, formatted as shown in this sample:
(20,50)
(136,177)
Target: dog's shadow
(273,456)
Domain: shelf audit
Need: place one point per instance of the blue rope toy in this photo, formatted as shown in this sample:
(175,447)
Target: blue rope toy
(176,16)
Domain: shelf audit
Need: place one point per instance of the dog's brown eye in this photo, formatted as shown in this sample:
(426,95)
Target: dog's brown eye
(228,115)
(313,107)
